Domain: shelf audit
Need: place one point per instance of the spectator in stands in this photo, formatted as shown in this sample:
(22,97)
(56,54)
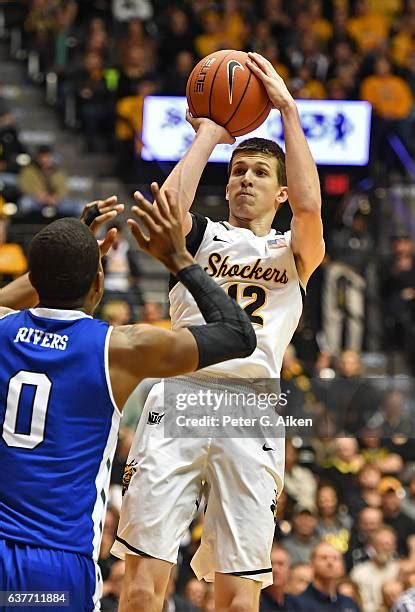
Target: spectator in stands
(116,312)
(123,271)
(65,38)
(174,601)
(333,526)
(275,596)
(234,24)
(396,412)
(322,593)
(374,451)
(350,251)
(152,314)
(408,501)
(392,493)
(399,298)
(213,37)
(94,101)
(301,574)
(39,28)
(13,262)
(320,26)
(195,592)
(136,66)
(402,42)
(305,86)
(388,93)
(392,102)
(368,479)
(299,481)
(44,187)
(177,34)
(112,587)
(303,538)
(347,587)
(128,130)
(369,520)
(372,574)
(136,35)
(175,79)
(341,468)
(10,144)
(350,399)
(391,591)
(368,29)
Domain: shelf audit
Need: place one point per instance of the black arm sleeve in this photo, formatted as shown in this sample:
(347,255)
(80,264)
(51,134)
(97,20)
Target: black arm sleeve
(228,333)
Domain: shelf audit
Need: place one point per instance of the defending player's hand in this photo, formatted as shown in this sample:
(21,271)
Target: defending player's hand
(222,136)
(165,240)
(273,83)
(99,212)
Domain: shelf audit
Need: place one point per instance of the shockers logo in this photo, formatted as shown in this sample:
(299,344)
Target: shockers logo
(232,66)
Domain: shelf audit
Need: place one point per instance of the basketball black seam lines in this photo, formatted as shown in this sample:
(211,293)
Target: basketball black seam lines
(256,118)
(240,101)
(213,81)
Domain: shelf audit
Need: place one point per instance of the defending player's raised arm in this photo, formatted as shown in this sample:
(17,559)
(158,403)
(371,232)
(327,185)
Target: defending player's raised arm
(185,176)
(139,351)
(302,177)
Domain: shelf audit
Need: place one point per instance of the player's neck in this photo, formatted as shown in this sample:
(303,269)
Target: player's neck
(65,305)
(259,227)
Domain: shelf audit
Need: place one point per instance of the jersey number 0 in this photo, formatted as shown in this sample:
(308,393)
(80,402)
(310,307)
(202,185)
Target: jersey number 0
(42,387)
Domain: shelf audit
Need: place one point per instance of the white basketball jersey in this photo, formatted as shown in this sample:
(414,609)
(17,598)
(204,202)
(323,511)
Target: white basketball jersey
(260,273)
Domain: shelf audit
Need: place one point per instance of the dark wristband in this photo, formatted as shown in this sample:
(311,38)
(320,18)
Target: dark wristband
(91,215)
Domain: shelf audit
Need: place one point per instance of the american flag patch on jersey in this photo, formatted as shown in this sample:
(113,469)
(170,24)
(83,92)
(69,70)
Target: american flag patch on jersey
(277,243)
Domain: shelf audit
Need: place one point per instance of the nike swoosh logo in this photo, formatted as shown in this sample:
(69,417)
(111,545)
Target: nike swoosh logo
(216,239)
(267,448)
(232,66)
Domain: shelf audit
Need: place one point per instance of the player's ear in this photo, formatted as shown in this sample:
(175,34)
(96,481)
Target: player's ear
(281,196)
(100,280)
(227,193)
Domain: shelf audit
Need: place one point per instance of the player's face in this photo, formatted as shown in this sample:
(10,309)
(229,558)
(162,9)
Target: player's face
(253,189)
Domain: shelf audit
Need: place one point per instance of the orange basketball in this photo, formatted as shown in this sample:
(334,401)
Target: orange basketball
(224,89)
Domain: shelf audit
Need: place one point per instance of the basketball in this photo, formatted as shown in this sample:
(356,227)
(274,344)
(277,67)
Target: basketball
(224,89)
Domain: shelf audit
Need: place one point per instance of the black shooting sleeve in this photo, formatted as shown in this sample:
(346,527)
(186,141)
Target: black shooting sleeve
(228,332)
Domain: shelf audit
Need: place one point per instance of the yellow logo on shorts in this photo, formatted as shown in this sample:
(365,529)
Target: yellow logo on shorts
(129,471)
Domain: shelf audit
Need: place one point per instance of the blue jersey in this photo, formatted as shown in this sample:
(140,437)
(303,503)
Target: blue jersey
(58,429)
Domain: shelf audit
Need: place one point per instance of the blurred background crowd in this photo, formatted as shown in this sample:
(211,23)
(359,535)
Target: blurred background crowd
(73,79)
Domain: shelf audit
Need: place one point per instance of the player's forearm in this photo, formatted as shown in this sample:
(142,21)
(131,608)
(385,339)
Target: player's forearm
(302,177)
(185,177)
(228,332)
(19,294)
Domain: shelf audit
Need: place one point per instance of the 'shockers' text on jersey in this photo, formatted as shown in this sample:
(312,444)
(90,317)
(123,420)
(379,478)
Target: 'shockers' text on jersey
(219,266)
(41,338)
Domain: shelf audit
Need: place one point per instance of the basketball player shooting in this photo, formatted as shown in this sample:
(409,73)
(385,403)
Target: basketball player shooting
(263,270)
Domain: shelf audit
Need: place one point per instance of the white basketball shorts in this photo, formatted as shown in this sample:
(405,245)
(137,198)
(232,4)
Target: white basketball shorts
(164,478)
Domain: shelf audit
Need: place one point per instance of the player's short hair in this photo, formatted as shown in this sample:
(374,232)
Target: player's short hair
(63,260)
(266,147)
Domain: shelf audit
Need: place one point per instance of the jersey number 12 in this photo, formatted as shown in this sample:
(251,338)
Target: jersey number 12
(258,296)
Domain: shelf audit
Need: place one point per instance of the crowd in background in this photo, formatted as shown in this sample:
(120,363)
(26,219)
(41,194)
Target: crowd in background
(108,55)
(352,484)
